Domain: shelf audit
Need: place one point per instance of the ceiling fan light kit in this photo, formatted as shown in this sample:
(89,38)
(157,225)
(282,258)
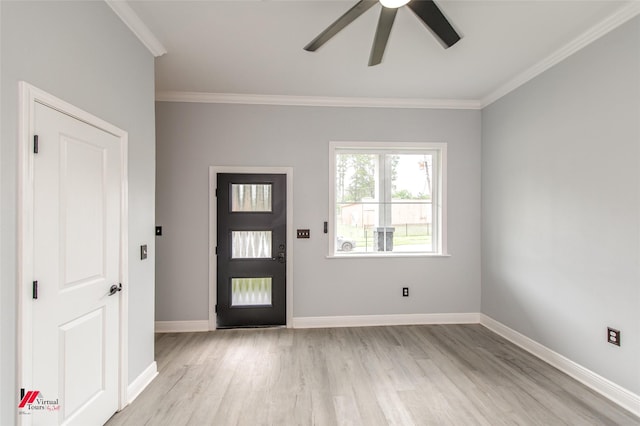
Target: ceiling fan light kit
(426,10)
(393,4)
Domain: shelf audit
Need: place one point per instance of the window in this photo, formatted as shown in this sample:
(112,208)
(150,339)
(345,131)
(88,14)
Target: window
(387,199)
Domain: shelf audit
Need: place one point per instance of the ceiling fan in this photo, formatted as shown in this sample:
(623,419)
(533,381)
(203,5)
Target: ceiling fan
(426,10)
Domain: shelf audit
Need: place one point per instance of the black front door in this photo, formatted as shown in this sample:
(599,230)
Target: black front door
(251,250)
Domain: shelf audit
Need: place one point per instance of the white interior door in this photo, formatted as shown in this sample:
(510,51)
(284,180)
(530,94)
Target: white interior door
(76,231)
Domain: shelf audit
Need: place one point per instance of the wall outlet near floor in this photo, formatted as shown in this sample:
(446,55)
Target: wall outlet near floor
(613,336)
(405,291)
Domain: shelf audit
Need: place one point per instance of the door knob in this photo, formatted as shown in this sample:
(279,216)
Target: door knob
(281,257)
(114,289)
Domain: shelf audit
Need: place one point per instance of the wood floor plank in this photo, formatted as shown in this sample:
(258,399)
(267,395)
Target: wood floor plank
(401,375)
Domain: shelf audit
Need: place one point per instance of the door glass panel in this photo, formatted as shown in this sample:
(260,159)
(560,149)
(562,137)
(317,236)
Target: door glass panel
(252,197)
(251,244)
(251,291)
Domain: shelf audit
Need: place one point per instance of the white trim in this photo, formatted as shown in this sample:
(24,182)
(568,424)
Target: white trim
(213,237)
(182,326)
(443,200)
(331,214)
(605,387)
(124,270)
(322,101)
(1,214)
(24,219)
(613,21)
(385,320)
(385,255)
(137,26)
(213,178)
(28,97)
(140,383)
(439,218)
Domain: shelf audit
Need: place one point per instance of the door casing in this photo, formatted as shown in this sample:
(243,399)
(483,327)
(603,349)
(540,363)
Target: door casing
(213,233)
(28,97)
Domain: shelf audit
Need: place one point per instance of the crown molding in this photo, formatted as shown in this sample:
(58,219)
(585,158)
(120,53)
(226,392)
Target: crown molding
(135,24)
(613,21)
(322,101)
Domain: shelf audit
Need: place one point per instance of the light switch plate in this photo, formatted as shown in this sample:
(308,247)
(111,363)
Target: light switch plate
(303,233)
(143,252)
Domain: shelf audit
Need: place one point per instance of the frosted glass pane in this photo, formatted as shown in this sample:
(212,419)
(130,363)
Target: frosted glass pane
(246,197)
(251,244)
(250,291)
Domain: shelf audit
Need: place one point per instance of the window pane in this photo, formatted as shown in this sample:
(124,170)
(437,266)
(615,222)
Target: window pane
(250,244)
(358,229)
(251,291)
(356,177)
(387,199)
(355,223)
(411,207)
(412,237)
(250,197)
(411,177)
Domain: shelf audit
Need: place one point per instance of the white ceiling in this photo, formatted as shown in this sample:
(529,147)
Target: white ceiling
(255,47)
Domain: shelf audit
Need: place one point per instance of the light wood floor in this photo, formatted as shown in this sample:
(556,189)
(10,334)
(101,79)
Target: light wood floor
(403,375)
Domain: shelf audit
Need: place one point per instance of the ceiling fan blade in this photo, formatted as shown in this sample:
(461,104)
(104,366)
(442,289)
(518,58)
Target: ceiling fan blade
(333,29)
(385,23)
(433,18)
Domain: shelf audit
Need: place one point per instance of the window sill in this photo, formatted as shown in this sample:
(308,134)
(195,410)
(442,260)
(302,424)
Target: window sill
(385,255)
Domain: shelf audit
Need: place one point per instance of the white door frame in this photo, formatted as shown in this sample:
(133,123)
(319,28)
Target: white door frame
(213,233)
(29,96)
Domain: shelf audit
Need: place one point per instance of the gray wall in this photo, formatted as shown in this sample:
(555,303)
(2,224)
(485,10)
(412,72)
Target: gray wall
(191,137)
(561,207)
(82,53)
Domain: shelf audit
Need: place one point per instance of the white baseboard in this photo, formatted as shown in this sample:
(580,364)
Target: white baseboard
(141,382)
(605,387)
(378,320)
(181,326)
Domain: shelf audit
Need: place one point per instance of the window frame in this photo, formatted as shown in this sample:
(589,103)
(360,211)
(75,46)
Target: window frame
(439,199)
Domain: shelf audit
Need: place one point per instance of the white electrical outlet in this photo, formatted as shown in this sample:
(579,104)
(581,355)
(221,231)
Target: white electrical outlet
(613,336)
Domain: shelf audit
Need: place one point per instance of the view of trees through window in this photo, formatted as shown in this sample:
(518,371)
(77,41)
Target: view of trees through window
(384,201)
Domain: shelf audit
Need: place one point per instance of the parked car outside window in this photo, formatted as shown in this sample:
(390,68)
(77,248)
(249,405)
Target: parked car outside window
(345,244)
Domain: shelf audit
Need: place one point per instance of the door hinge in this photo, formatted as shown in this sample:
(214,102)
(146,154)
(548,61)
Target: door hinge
(216,191)
(35,144)
(216,250)
(35,290)
(215,309)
